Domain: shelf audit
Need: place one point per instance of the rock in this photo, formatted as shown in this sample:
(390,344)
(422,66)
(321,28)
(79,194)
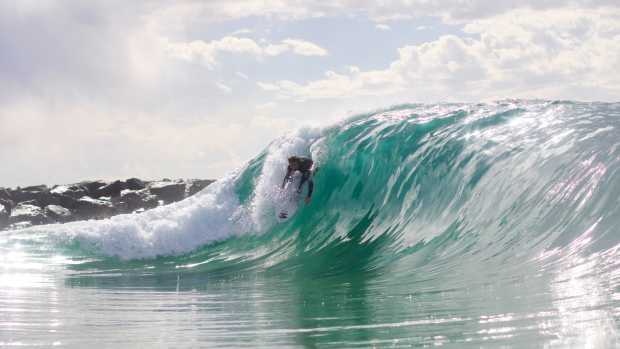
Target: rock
(196,185)
(33,188)
(7,204)
(30,202)
(167,191)
(92,187)
(132,200)
(57,213)
(5,195)
(23,207)
(4,217)
(27,213)
(112,190)
(134,184)
(68,201)
(87,208)
(20,225)
(75,191)
(40,193)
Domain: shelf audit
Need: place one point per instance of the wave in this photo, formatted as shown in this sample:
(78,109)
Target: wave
(441,183)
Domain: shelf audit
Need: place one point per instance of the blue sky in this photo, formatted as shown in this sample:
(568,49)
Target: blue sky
(111,89)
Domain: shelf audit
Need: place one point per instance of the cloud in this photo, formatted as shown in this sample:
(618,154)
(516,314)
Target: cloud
(338,85)
(207,52)
(82,83)
(382,26)
(242,75)
(241,32)
(268,87)
(223,87)
(522,53)
(268,105)
(77,47)
(303,48)
(455,11)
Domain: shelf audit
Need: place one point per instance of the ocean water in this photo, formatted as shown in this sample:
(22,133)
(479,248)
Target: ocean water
(455,225)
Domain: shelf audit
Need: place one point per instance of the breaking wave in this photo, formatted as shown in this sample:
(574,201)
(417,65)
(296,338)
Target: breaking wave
(422,183)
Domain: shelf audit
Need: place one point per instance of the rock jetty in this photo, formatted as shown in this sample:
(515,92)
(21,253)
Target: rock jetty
(40,204)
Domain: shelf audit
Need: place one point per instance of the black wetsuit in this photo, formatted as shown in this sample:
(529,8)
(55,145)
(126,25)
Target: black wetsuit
(303,165)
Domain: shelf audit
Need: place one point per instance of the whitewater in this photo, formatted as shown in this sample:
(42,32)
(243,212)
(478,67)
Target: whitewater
(462,225)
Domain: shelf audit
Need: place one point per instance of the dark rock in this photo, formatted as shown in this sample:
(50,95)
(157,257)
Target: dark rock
(4,217)
(22,207)
(196,185)
(33,188)
(87,208)
(167,191)
(40,193)
(57,213)
(112,190)
(7,204)
(134,184)
(75,191)
(30,202)
(27,213)
(67,201)
(92,187)
(5,195)
(131,200)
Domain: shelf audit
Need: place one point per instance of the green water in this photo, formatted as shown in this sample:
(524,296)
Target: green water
(454,225)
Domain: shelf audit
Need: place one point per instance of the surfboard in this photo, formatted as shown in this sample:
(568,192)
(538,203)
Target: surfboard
(288,198)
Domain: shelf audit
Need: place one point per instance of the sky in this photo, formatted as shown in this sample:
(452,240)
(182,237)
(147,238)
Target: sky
(194,89)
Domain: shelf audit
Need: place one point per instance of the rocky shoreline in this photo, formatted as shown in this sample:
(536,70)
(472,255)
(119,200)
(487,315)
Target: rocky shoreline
(40,204)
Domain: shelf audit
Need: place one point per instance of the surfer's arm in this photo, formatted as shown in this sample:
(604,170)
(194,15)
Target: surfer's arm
(310,187)
(287,176)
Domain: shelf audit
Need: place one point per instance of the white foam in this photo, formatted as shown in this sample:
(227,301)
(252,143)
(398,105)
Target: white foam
(167,230)
(213,214)
(274,169)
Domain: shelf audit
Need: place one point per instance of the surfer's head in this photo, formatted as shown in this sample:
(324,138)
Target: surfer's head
(293,161)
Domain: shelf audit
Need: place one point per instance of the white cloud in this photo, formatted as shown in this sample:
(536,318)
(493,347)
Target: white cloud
(122,94)
(241,32)
(304,48)
(242,75)
(223,87)
(177,14)
(271,122)
(382,26)
(521,53)
(268,87)
(338,85)
(208,51)
(268,105)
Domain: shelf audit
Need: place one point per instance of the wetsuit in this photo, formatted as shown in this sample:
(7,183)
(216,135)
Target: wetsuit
(303,165)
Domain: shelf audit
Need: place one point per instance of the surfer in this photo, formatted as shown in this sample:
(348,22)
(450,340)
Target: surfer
(303,165)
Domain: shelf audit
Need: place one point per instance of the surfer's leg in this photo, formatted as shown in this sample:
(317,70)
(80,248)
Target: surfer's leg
(304,177)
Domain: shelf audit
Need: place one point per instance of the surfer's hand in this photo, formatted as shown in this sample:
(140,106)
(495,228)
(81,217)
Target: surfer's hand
(307,200)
